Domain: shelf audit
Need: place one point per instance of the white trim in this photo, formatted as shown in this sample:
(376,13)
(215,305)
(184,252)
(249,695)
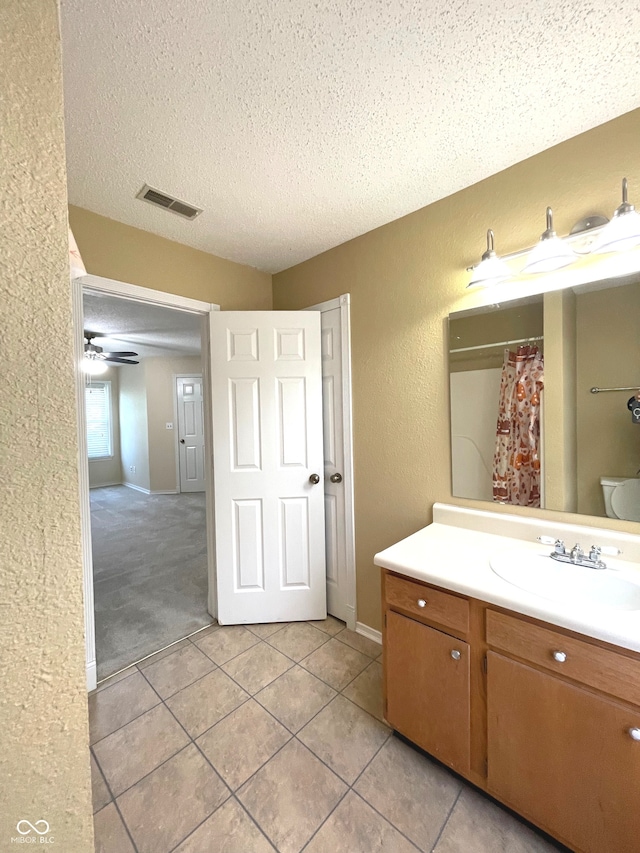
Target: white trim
(124,290)
(369,633)
(83,482)
(344,304)
(137,488)
(164,492)
(144,294)
(104,485)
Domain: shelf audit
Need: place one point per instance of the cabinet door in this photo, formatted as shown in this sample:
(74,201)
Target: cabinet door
(564,758)
(427,674)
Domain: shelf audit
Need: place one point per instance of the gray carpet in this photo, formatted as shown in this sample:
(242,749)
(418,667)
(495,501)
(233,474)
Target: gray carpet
(149,572)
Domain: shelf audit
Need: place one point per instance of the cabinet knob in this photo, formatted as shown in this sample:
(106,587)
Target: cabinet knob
(422,602)
(455,654)
(634,733)
(560,657)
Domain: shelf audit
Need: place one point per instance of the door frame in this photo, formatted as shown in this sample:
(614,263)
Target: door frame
(343,302)
(97,284)
(176,416)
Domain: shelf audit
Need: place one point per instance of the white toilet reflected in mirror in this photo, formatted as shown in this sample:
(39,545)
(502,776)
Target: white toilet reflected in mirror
(622,497)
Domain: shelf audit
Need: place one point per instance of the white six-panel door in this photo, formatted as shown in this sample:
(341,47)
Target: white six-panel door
(191,433)
(267,451)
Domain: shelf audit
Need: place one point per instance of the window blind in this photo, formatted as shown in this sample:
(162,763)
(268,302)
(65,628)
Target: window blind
(98,414)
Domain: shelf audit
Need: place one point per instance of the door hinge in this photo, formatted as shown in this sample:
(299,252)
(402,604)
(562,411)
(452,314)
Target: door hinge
(484,664)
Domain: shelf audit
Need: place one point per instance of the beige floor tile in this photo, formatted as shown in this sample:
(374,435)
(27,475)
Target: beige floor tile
(413,793)
(242,742)
(208,700)
(257,667)
(345,737)
(298,640)
(362,644)
(295,697)
(204,632)
(143,664)
(177,670)
(291,796)
(266,629)
(330,625)
(477,825)
(139,747)
(366,690)
(109,832)
(164,807)
(114,679)
(226,643)
(335,663)
(228,830)
(99,791)
(354,827)
(118,704)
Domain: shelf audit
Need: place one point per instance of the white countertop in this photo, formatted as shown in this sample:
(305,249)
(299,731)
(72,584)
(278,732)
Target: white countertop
(457,558)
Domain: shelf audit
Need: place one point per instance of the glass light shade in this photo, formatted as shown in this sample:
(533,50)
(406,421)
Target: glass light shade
(550,254)
(94,366)
(489,271)
(491,268)
(620,233)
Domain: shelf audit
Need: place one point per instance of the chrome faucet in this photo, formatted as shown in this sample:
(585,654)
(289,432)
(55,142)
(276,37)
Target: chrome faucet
(576,555)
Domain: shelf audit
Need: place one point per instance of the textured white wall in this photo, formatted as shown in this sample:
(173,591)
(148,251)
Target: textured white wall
(134,434)
(44,760)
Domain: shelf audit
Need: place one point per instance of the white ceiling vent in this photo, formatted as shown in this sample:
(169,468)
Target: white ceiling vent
(160,199)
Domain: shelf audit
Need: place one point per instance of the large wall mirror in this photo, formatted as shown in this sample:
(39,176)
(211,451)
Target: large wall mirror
(526,427)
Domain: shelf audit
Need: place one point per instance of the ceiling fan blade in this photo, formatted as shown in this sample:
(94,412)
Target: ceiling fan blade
(119,354)
(115,360)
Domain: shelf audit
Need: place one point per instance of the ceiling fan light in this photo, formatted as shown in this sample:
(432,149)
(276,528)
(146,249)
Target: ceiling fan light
(551,253)
(94,366)
(491,268)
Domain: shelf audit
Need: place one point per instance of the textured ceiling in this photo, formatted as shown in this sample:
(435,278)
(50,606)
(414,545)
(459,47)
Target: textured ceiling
(149,330)
(298,125)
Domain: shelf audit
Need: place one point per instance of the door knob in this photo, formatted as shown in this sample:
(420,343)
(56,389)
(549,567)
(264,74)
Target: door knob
(182,441)
(314,479)
(336,478)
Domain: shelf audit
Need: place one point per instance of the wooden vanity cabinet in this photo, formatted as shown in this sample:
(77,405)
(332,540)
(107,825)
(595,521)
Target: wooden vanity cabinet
(545,720)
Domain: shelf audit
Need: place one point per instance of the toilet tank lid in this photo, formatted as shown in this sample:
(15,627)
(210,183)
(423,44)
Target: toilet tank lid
(614,481)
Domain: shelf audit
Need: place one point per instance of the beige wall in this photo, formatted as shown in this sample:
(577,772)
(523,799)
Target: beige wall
(160,401)
(106,472)
(134,430)
(404,279)
(113,250)
(608,356)
(44,760)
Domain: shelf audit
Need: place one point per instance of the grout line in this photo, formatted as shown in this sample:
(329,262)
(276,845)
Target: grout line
(322,823)
(446,821)
(113,800)
(124,725)
(388,820)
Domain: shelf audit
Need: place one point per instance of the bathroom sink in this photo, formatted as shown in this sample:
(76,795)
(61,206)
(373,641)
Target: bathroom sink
(563,582)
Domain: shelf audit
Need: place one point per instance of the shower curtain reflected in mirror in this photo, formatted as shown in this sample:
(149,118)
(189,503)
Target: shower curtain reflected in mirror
(516,461)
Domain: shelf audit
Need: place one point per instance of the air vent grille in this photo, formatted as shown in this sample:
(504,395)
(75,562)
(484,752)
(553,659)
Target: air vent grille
(160,199)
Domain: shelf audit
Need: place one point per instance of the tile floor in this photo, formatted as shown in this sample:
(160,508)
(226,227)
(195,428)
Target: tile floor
(249,740)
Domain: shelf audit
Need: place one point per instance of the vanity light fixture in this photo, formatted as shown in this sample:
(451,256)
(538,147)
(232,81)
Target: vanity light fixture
(491,268)
(551,253)
(622,231)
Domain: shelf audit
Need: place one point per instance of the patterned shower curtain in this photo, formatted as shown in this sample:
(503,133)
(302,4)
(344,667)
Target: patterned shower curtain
(516,462)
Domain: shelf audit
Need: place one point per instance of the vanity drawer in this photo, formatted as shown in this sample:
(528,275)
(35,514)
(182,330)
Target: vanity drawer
(604,669)
(428,603)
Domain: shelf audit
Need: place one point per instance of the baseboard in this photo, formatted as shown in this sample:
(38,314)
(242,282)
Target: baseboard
(369,633)
(92,676)
(137,488)
(164,492)
(101,485)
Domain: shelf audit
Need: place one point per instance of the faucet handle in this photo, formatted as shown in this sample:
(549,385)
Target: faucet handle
(594,553)
(547,540)
(558,544)
(610,550)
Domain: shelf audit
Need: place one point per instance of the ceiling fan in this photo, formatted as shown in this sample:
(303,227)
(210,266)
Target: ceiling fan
(93,352)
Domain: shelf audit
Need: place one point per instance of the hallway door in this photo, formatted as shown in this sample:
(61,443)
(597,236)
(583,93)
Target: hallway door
(190,433)
(268,466)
